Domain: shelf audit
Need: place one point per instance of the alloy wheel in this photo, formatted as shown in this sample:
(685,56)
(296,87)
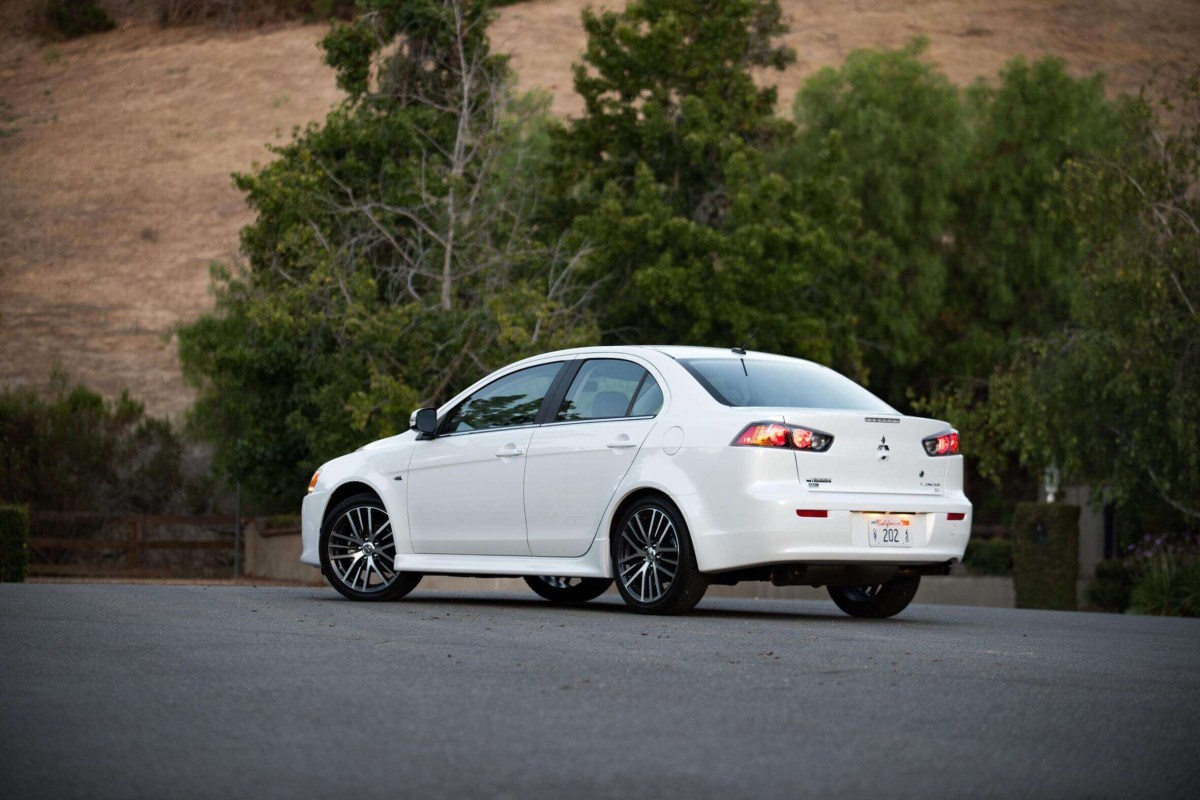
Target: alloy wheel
(648,555)
(361,550)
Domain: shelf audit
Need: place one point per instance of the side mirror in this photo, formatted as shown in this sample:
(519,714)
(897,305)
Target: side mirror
(424,421)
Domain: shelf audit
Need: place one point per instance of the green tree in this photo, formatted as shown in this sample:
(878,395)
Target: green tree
(1016,246)
(1113,396)
(668,84)
(899,131)
(394,256)
(696,237)
(767,265)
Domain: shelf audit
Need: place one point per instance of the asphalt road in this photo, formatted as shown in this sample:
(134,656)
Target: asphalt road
(132,691)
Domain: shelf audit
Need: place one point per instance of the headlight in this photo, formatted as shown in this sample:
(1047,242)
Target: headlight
(313,483)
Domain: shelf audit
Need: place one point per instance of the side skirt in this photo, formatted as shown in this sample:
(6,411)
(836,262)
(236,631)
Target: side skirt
(590,565)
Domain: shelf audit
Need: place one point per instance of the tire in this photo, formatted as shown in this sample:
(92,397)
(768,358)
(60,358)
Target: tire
(876,602)
(568,590)
(358,548)
(653,560)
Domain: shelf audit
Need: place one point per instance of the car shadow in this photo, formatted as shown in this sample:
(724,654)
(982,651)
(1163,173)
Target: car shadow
(716,608)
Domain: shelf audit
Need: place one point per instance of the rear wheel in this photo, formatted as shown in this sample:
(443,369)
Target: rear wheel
(876,602)
(358,551)
(654,562)
(568,590)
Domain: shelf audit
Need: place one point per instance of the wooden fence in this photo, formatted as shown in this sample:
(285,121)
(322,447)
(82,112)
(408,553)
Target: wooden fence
(127,554)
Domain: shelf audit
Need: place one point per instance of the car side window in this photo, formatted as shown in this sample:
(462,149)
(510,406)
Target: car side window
(649,399)
(504,403)
(604,388)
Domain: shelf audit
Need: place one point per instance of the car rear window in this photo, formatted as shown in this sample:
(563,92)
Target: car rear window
(780,384)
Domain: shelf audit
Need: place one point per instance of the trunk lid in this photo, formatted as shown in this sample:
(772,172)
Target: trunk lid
(870,453)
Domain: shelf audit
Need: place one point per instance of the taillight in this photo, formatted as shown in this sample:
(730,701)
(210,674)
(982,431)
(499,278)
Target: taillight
(943,444)
(764,435)
(776,434)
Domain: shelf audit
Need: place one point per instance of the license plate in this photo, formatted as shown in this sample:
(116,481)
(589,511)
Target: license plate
(892,530)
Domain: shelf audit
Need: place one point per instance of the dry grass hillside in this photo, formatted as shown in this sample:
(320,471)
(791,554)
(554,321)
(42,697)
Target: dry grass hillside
(115,192)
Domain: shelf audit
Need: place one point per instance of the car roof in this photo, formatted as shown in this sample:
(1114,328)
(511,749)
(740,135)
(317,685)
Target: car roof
(672,351)
(683,351)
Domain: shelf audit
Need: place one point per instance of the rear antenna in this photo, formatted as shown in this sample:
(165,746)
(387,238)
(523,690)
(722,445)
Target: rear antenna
(741,351)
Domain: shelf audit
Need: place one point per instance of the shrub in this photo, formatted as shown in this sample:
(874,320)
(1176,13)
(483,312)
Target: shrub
(14,543)
(72,450)
(1158,589)
(1110,589)
(989,557)
(75,18)
(1166,579)
(1046,555)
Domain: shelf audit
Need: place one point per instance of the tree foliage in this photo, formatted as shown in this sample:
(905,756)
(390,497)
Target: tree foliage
(1017,247)
(964,188)
(1113,395)
(667,86)
(697,237)
(900,136)
(394,255)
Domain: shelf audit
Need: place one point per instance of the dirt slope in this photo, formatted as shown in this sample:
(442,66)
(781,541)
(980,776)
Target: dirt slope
(115,192)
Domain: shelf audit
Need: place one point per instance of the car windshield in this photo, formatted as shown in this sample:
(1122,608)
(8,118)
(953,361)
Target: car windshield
(781,384)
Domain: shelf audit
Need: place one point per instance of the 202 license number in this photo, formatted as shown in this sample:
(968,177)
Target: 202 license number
(890,531)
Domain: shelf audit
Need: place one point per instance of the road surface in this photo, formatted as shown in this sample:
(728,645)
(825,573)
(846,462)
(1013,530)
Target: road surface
(129,691)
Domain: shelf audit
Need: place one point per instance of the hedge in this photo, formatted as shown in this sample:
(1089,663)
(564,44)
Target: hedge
(989,557)
(1046,555)
(14,543)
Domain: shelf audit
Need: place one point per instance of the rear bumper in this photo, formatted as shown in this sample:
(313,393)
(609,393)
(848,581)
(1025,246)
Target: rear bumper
(761,527)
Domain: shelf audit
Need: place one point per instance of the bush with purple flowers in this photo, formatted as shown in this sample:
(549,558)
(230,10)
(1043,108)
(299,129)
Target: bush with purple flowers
(1166,573)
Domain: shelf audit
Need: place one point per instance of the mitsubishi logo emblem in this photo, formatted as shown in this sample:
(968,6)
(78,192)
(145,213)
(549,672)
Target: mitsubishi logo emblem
(883,451)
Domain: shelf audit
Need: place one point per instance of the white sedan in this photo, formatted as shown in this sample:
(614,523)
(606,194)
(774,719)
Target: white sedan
(666,469)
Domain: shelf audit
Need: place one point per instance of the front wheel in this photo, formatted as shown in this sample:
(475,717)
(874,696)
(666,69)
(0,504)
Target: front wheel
(654,562)
(568,590)
(358,552)
(876,602)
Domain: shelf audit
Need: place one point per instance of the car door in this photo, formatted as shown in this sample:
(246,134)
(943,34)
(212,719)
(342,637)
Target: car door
(465,487)
(578,458)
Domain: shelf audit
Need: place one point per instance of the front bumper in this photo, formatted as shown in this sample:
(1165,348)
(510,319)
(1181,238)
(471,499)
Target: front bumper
(312,512)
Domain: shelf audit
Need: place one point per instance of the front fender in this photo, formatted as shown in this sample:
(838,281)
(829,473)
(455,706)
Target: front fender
(383,471)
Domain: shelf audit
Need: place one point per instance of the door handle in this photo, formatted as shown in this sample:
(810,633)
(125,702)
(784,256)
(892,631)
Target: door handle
(622,443)
(510,451)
